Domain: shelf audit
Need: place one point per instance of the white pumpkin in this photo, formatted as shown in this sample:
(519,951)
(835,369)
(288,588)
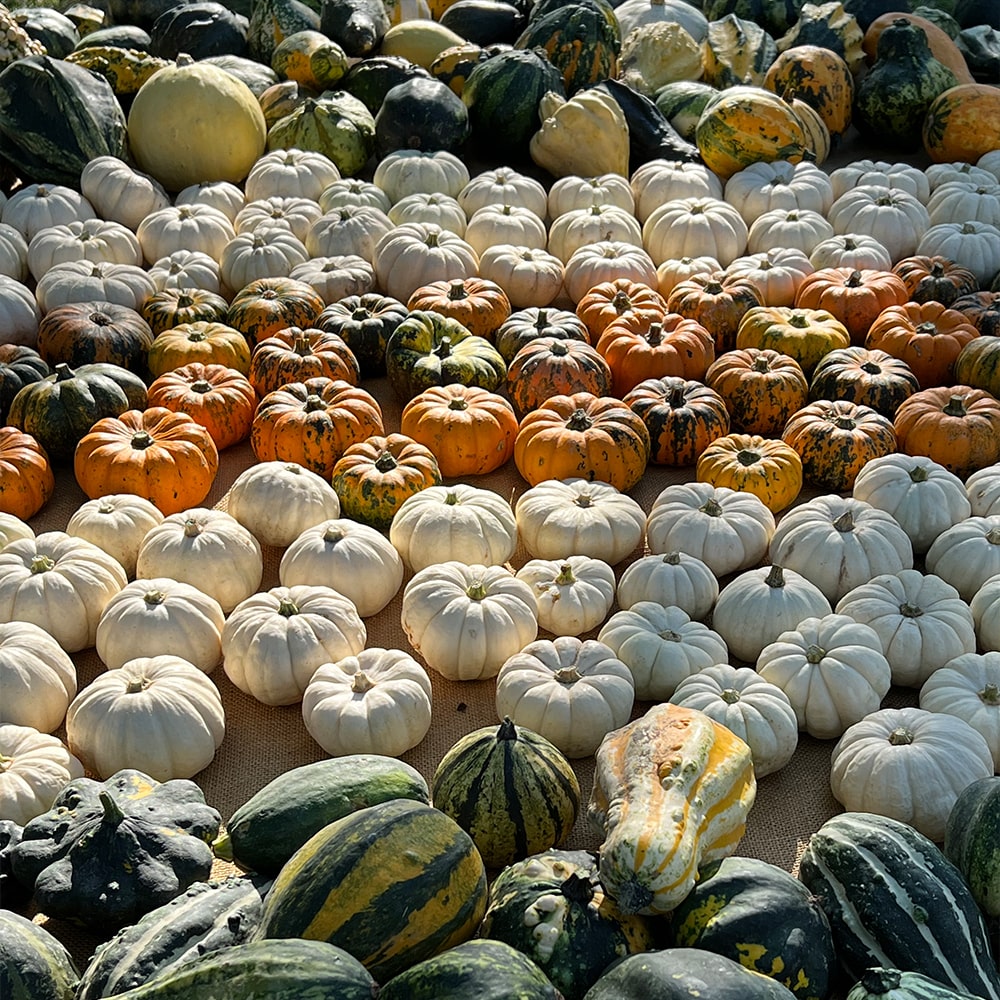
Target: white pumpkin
(37,677)
(893,217)
(659,181)
(60,583)
(375,702)
(920,619)
(582,226)
(184,227)
(503,186)
(157,714)
(797,228)
(564,517)
(758,605)
(351,191)
(34,769)
(965,201)
(969,687)
(675,270)
(985,607)
(881,174)
(207,548)
(349,557)
(120,193)
(728,530)
(161,616)
(350,229)
(923,497)
(19,312)
(186,269)
(293,214)
(38,206)
(908,764)
(944,173)
(967,554)
(84,281)
(116,523)
(277,501)
(530,277)
(274,642)
(336,277)
(673,578)
(983,491)
(461,522)
(291,173)
(833,671)
(838,543)
(975,245)
(573,594)
(227,197)
(264,253)
(607,260)
(467,620)
(494,225)
(441,209)
(417,254)
(13,253)
(776,273)
(94,240)
(762,187)
(858,251)
(571,691)
(12,528)
(695,227)
(405,171)
(661,646)
(756,710)
(572,192)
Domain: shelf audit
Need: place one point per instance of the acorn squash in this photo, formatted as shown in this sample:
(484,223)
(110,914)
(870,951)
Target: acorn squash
(421,114)
(199,29)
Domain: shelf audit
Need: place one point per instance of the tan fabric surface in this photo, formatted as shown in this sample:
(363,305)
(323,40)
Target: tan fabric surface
(262,742)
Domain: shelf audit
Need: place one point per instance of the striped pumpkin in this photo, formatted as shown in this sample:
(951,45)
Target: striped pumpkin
(510,789)
(392,884)
(33,963)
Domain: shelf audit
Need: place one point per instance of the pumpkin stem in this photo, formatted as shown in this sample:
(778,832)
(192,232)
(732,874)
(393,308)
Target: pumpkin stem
(730,696)
(927,328)
(990,695)
(197,336)
(333,534)
(746,457)
(713,287)
(918,474)
(5,762)
(386,462)
(361,682)
(854,279)
(565,577)
(673,558)
(584,501)
(669,635)
(443,349)
(201,386)
(955,407)
(621,303)
(137,685)
(458,403)
(775,576)
(541,320)
(451,499)
(192,528)
(845,522)
(287,607)
(711,507)
(677,398)
(799,320)
(577,889)
(105,506)
(431,240)
(761,363)
(901,737)
(993,536)
(153,598)
(456,291)
(870,368)
(42,564)
(814,653)
(506,730)
(300,343)
(141,440)
(579,421)
(476,591)
(361,313)
(63,372)
(312,403)
(654,335)
(112,811)
(567,675)
(908,610)
(559,349)
(879,981)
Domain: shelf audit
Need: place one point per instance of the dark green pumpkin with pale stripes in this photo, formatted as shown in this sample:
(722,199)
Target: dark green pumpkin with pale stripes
(33,964)
(682,103)
(510,789)
(392,884)
(880,984)
(972,840)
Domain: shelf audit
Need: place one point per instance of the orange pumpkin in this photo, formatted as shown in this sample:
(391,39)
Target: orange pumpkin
(582,436)
(956,426)
(297,355)
(963,123)
(835,438)
(470,430)
(671,345)
(760,387)
(174,306)
(716,302)
(221,399)
(855,297)
(166,457)
(267,305)
(803,334)
(609,300)
(26,479)
(683,418)
(866,377)
(552,366)
(935,279)
(313,423)
(478,304)
(983,310)
(766,467)
(83,333)
(927,336)
(201,343)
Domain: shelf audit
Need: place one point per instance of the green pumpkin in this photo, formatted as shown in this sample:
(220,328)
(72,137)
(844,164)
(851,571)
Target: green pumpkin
(761,916)
(335,124)
(829,26)
(253,74)
(120,36)
(369,80)
(980,45)
(34,965)
(58,410)
(357,26)
(430,349)
(584,931)
(55,118)
(866,11)
(972,840)
(421,114)
(19,366)
(54,30)
(484,22)
(109,851)
(199,29)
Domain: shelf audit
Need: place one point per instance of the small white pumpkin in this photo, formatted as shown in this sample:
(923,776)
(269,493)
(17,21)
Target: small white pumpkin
(674,578)
(565,517)
(833,671)
(728,530)
(336,277)
(34,769)
(293,214)
(857,251)
(607,260)
(116,523)
(892,216)
(351,558)
(572,192)
(661,646)
(37,677)
(582,226)
(777,273)
(161,616)
(274,642)
(291,173)
(94,240)
(157,714)
(120,193)
(754,709)
(503,186)
(797,228)
(378,701)
(659,181)
(277,501)
(763,187)
(920,619)
(985,607)
(908,764)
(405,171)
(37,206)
(496,225)
(529,276)
(573,594)
(351,191)
(60,583)
(467,620)
(186,269)
(969,687)
(184,227)
(267,252)
(695,227)
(207,548)
(967,554)
(983,491)
(571,691)
(227,197)
(881,174)
(921,495)
(460,522)
(12,528)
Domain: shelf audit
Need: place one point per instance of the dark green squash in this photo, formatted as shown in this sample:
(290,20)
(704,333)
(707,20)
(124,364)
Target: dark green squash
(682,103)
(421,114)
(13,894)
(972,840)
(256,76)
(829,26)
(19,366)
(737,52)
(525,325)
(139,12)
(940,18)
(122,36)
(774,16)
(357,26)
(199,29)
(868,377)
(273,20)
(275,822)
(55,118)
(980,46)
(584,931)
(761,916)
(369,80)
(50,27)
(650,135)
(969,13)
(486,970)
(485,21)
(34,965)
(109,851)
(866,11)
(365,323)
(207,917)
(879,983)
(58,410)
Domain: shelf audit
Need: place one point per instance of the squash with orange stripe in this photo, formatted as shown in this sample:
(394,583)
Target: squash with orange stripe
(392,884)
(682,786)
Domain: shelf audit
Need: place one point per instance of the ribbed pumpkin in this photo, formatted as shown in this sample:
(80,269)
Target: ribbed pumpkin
(481,306)
(855,297)
(268,305)
(365,323)
(392,884)
(768,468)
(866,377)
(173,306)
(26,479)
(84,333)
(978,364)
(610,300)
(803,334)
(510,789)
(19,365)
(963,123)
(983,308)
(202,343)
(717,302)
(552,366)
(533,323)
(297,355)
(938,279)
(760,387)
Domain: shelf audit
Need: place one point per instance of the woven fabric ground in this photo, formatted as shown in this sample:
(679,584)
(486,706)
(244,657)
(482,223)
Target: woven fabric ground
(262,742)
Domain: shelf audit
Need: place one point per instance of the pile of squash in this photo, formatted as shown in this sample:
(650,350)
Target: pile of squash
(572,240)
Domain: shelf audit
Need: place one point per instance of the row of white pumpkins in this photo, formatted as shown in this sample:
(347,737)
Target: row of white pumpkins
(423,218)
(842,619)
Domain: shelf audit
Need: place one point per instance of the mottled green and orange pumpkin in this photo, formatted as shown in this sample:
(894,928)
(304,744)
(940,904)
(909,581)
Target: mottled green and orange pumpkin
(868,377)
(297,355)
(84,333)
(173,306)
(553,366)
(821,78)
(766,467)
(803,334)
(199,343)
(26,478)
(268,305)
(365,323)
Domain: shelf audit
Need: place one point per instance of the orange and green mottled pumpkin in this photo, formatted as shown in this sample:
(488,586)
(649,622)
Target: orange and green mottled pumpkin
(716,302)
(552,366)
(963,123)
(868,377)
(803,334)
(821,78)
(267,305)
(853,296)
(19,365)
(766,467)
(297,355)
(480,305)
(983,309)
(535,323)
(978,364)
(83,333)
(173,306)
(199,343)
(935,279)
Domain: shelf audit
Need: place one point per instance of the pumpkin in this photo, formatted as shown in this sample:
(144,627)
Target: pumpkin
(969,842)
(440,209)
(695,227)
(662,180)
(530,276)
(86,333)
(38,767)
(971,244)
(855,297)
(865,377)
(574,595)
(819,76)
(806,335)
(981,488)
(172,307)
(297,355)
(201,342)
(116,523)
(19,365)
(532,323)
(26,478)
(896,218)
(622,297)
(717,302)
(481,306)
(267,305)
(958,124)
(674,579)
(776,273)
(39,678)
(580,227)
(983,309)
(415,254)
(854,250)
(497,225)
(336,277)
(966,554)
(770,469)
(365,323)
(553,366)
(225,196)
(935,279)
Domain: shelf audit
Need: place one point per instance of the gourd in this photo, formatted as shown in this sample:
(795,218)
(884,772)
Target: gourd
(33,963)
(970,841)
(878,981)
(567,142)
